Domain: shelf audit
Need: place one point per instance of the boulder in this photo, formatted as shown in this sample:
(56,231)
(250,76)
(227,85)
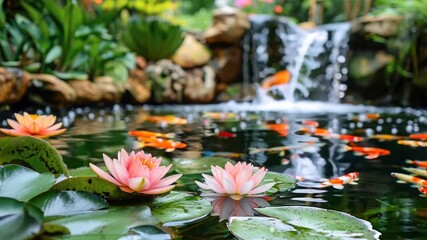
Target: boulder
(200,85)
(227,64)
(138,86)
(86,91)
(191,53)
(384,26)
(111,91)
(53,89)
(13,85)
(229,26)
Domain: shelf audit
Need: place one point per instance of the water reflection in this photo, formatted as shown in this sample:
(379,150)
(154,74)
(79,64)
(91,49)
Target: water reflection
(226,207)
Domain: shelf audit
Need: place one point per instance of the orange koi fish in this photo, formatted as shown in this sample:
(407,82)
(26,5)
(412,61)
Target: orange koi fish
(417,171)
(423,190)
(367,116)
(422,164)
(386,137)
(410,179)
(279,78)
(282,149)
(140,133)
(160,143)
(338,182)
(168,119)
(310,123)
(346,137)
(412,143)
(281,128)
(418,136)
(317,131)
(369,152)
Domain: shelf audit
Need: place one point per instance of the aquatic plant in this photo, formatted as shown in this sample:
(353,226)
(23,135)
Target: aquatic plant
(40,126)
(235,181)
(137,172)
(153,38)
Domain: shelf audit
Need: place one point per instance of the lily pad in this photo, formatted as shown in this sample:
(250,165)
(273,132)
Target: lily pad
(22,183)
(4,141)
(97,186)
(262,228)
(84,172)
(106,224)
(19,220)
(179,207)
(283,182)
(149,232)
(322,222)
(68,202)
(199,165)
(35,153)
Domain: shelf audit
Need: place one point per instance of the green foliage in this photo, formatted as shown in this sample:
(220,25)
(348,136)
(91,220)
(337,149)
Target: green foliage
(144,7)
(203,22)
(191,7)
(153,38)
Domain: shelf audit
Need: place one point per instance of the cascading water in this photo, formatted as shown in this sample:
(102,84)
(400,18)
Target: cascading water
(316,59)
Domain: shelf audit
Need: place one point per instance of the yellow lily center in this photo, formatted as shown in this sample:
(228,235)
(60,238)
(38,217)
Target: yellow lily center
(34,116)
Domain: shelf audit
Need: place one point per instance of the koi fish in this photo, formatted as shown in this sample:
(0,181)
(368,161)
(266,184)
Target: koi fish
(338,182)
(369,152)
(423,190)
(161,143)
(322,132)
(418,136)
(282,149)
(168,119)
(346,137)
(279,78)
(386,137)
(224,134)
(367,116)
(410,179)
(140,133)
(417,171)
(310,123)
(412,143)
(422,164)
(281,128)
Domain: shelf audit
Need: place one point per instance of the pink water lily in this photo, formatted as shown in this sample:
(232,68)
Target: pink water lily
(137,172)
(235,181)
(40,126)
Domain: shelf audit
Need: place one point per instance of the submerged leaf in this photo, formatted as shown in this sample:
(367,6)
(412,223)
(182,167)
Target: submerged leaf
(35,153)
(22,183)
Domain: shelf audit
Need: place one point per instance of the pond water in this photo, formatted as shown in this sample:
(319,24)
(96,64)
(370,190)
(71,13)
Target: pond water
(397,210)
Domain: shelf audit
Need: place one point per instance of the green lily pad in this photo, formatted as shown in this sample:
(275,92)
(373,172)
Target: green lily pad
(106,224)
(22,183)
(149,232)
(57,202)
(4,141)
(312,221)
(179,207)
(35,153)
(19,220)
(199,165)
(97,186)
(263,228)
(84,172)
(283,182)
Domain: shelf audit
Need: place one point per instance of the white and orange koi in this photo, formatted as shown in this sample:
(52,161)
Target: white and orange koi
(282,149)
(410,179)
(368,152)
(422,164)
(412,143)
(423,190)
(140,133)
(386,137)
(338,183)
(417,171)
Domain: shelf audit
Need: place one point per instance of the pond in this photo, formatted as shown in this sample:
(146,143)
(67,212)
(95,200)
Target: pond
(397,210)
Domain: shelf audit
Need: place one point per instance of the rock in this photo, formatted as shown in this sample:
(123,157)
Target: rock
(13,85)
(384,26)
(200,85)
(365,64)
(229,26)
(138,86)
(227,64)
(111,91)
(86,91)
(54,89)
(191,53)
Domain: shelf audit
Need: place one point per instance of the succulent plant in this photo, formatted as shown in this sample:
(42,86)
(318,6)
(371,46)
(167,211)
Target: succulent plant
(153,38)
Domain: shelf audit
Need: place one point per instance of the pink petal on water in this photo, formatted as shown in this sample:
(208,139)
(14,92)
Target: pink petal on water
(121,172)
(213,184)
(15,125)
(228,184)
(110,166)
(158,190)
(13,132)
(262,188)
(157,173)
(166,181)
(246,187)
(104,175)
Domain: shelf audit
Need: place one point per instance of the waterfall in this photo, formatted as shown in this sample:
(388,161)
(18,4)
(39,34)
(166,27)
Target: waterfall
(316,59)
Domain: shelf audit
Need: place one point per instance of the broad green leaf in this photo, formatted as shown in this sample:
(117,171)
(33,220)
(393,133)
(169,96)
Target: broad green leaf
(115,221)
(264,228)
(53,54)
(98,186)
(283,182)
(84,172)
(68,202)
(19,220)
(322,222)
(4,141)
(36,153)
(22,183)
(199,165)
(178,207)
